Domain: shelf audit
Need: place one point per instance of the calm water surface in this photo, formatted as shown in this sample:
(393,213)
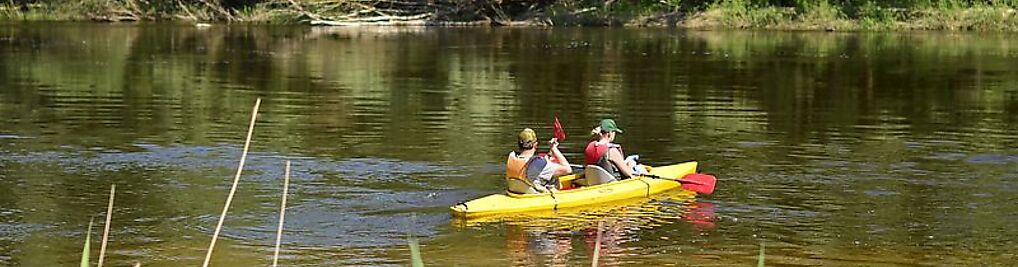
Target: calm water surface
(831,149)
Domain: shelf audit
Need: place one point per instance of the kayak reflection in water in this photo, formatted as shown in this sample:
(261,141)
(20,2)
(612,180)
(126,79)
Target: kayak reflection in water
(613,235)
(527,173)
(539,246)
(564,241)
(700,216)
(604,153)
(532,247)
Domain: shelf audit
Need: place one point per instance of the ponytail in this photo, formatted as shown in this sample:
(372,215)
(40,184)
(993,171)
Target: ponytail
(595,134)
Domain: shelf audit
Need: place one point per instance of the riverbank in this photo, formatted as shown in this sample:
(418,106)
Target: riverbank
(997,15)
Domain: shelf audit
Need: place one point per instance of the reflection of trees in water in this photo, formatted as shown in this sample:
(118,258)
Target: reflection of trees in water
(440,82)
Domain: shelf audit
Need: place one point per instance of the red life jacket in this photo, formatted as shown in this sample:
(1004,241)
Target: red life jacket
(595,151)
(597,154)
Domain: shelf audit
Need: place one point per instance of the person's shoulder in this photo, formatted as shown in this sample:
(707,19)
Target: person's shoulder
(551,166)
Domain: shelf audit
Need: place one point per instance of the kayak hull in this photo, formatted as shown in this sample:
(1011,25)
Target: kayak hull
(637,187)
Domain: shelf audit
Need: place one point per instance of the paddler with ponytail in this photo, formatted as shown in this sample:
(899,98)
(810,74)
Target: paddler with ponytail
(528,172)
(601,151)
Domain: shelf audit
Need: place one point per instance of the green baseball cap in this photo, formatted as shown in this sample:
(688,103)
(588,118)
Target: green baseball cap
(608,125)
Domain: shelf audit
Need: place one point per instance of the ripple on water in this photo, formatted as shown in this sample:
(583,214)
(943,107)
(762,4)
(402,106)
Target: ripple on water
(15,231)
(993,159)
(259,166)
(946,156)
(364,202)
(880,193)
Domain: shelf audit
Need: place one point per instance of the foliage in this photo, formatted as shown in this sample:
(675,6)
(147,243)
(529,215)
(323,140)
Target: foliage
(872,16)
(742,14)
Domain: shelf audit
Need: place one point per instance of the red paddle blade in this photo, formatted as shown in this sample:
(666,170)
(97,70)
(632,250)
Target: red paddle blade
(698,182)
(559,132)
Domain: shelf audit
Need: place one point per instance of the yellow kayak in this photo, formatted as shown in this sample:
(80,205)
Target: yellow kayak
(637,187)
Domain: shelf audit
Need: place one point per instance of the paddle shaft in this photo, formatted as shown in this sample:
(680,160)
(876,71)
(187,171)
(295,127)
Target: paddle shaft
(581,167)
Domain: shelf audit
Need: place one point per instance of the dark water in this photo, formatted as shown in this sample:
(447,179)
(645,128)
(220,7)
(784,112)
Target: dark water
(832,149)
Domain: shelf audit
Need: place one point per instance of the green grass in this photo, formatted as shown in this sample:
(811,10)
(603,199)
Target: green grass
(88,245)
(760,259)
(415,246)
(958,15)
(415,252)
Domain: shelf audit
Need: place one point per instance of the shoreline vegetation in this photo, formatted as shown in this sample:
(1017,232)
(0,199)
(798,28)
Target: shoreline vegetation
(829,15)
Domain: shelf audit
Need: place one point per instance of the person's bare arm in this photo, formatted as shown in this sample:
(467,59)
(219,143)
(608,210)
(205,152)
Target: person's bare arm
(615,156)
(563,167)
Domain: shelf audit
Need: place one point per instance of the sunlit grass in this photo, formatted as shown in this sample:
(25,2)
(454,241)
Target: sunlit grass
(88,245)
(415,246)
(415,259)
(415,252)
(760,259)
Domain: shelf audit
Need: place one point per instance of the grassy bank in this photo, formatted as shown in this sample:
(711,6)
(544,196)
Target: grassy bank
(986,15)
(866,15)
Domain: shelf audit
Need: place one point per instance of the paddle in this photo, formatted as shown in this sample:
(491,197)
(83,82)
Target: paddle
(696,182)
(559,132)
(560,135)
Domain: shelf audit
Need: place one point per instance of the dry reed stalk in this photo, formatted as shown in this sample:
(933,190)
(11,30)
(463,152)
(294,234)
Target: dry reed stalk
(106,231)
(597,245)
(282,214)
(236,178)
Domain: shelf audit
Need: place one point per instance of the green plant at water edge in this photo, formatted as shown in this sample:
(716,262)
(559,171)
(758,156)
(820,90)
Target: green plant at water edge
(415,246)
(674,5)
(997,15)
(8,11)
(88,240)
(415,252)
(821,13)
(873,16)
(743,14)
(760,259)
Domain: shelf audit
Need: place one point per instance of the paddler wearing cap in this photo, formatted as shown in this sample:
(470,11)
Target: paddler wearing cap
(529,173)
(601,151)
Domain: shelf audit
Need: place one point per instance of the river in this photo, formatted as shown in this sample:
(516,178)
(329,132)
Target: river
(831,149)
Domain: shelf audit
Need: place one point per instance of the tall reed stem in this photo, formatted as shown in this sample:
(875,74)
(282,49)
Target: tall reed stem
(236,178)
(106,230)
(597,245)
(282,213)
